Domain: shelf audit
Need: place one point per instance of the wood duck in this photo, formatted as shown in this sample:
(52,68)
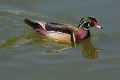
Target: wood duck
(64,33)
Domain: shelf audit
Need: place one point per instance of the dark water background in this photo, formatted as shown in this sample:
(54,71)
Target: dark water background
(34,62)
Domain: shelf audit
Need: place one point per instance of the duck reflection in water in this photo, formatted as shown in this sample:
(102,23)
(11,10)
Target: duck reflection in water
(64,33)
(88,50)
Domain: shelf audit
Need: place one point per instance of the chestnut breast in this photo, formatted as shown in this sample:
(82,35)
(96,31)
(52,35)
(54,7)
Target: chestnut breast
(80,35)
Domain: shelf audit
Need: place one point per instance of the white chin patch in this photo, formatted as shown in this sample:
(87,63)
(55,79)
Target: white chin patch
(98,26)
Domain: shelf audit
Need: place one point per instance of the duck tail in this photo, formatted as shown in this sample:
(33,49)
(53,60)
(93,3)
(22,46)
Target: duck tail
(31,23)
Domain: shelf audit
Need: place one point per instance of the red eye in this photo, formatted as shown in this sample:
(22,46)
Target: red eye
(92,23)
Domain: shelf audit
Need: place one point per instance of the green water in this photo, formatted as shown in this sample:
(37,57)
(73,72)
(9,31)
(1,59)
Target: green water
(37,60)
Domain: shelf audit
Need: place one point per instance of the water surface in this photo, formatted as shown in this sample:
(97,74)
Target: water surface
(35,61)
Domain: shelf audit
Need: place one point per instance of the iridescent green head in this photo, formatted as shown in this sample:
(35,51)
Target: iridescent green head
(87,22)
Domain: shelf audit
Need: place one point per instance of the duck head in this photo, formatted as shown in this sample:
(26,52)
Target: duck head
(87,22)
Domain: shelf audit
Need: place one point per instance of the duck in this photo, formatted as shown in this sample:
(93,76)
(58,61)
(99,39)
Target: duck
(64,33)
